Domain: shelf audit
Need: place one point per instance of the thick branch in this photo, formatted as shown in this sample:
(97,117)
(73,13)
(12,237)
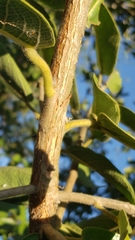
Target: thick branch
(92,200)
(43,205)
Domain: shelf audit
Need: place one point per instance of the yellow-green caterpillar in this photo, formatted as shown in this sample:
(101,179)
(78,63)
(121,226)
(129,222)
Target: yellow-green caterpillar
(25,25)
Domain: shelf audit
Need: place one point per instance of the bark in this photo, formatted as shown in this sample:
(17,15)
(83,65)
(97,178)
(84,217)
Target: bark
(43,205)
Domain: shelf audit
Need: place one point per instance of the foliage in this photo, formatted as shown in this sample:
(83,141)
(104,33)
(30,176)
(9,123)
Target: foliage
(20,108)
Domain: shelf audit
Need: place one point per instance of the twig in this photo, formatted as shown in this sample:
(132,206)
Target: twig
(68,188)
(17,191)
(50,233)
(92,200)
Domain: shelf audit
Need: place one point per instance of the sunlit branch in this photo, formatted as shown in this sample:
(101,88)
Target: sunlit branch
(92,200)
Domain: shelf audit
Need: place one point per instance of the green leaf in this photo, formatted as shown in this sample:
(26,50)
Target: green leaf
(10,216)
(75,102)
(84,176)
(43,12)
(25,25)
(93,14)
(114,82)
(102,220)
(33,236)
(127,117)
(124,225)
(107,41)
(97,233)
(106,125)
(71,229)
(55,4)
(11,76)
(104,167)
(14,177)
(103,102)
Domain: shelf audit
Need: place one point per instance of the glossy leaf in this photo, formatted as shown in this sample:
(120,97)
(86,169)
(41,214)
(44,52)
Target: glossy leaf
(127,117)
(104,167)
(31,29)
(107,41)
(11,76)
(124,226)
(84,176)
(41,9)
(97,233)
(114,82)
(71,229)
(14,177)
(103,102)
(106,125)
(93,14)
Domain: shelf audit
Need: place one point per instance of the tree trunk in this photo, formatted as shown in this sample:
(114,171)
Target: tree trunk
(43,205)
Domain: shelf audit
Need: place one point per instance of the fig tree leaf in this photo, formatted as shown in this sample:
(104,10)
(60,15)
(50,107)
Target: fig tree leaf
(127,117)
(42,11)
(84,176)
(107,41)
(10,216)
(103,102)
(101,220)
(97,233)
(107,126)
(71,229)
(74,102)
(11,76)
(14,177)
(104,167)
(114,82)
(124,225)
(25,25)
(94,13)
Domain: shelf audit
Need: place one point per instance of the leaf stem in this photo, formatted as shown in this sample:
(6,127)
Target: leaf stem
(77,123)
(35,58)
(105,211)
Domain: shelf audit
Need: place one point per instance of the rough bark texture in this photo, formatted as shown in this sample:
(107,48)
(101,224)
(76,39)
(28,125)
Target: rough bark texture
(43,205)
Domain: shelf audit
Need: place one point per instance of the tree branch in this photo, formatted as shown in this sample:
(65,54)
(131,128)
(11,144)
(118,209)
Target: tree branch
(65,197)
(92,200)
(43,205)
(17,191)
(73,175)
